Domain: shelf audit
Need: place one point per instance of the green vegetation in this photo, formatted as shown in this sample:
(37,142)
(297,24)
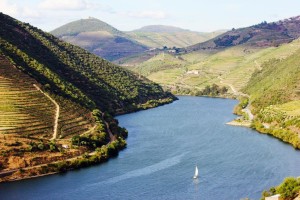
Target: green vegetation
(160,62)
(101,155)
(288,189)
(57,102)
(27,111)
(275,83)
(230,62)
(275,98)
(73,72)
(212,91)
(91,141)
(192,72)
(243,102)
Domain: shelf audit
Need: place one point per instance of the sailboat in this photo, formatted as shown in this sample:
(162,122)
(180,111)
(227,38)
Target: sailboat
(196,173)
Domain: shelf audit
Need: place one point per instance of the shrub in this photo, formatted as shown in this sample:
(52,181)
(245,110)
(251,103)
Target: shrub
(289,189)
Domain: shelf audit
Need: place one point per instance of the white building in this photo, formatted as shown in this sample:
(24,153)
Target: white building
(196,72)
(274,197)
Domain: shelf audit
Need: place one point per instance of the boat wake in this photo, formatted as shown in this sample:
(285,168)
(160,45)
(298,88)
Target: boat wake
(145,171)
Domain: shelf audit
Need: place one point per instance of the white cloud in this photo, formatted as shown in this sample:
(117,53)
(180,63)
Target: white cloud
(98,6)
(63,5)
(29,13)
(17,11)
(8,8)
(70,5)
(148,14)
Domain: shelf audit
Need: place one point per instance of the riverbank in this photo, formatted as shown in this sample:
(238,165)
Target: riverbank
(283,131)
(86,148)
(239,123)
(98,156)
(187,132)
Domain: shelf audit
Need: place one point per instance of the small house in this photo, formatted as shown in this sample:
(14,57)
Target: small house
(195,72)
(274,197)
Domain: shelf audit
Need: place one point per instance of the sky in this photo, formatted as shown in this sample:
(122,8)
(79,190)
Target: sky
(127,15)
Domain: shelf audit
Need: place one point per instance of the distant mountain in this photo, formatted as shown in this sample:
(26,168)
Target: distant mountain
(157,36)
(56,97)
(160,29)
(85,25)
(99,38)
(260,35)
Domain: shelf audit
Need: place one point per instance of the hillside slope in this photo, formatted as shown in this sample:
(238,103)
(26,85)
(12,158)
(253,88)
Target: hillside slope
(226,60)
(260,35)
(157,36)
(275,98)
(99,38)
(160,29)
(231,67)
(51,91)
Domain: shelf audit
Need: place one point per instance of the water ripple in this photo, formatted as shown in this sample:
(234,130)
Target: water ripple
(146,170)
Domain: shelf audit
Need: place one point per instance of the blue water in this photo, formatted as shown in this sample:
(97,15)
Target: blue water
(164,145)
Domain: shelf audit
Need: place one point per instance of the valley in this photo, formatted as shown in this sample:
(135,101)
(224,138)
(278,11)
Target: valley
(58,103)
(189,73)
(63,92)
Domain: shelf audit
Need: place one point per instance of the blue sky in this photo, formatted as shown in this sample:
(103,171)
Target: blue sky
(125,15)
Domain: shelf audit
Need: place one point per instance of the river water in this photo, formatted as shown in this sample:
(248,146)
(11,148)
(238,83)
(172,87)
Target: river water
(164,145)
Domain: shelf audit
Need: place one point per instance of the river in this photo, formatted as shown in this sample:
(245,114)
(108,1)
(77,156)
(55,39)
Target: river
(164,145)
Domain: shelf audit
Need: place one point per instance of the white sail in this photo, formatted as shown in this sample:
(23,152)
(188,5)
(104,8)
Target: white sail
(196,172)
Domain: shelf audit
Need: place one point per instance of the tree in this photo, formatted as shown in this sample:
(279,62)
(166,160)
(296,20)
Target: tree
(289,188)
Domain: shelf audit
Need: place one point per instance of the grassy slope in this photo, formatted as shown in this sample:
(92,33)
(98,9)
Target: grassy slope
(160,62)
(230,58)
(275,95)
(278,79)
(82,84)
(232,66)
(177,39)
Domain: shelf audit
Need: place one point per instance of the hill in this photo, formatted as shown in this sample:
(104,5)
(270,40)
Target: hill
(159,62)
(157,36)
(227,60)
(160,29)
(275,98)
(85,25)
(57,102)
(231,67)
(99,38)
(260,35)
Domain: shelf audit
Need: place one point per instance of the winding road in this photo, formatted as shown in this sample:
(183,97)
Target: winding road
(236,93)
(111,135)
(56,113)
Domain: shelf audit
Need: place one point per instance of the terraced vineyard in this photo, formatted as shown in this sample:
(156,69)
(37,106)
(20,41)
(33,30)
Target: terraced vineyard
(232,67)
(25,110)
(57,103)
(73,120)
